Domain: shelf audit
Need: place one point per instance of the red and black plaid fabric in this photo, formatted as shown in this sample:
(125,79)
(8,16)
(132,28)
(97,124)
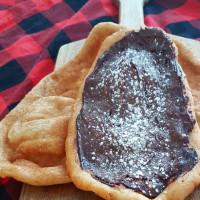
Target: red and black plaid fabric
(178,17)
(32,31)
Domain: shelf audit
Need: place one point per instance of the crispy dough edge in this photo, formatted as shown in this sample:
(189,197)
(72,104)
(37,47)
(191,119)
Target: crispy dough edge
(191,66)
(178,190)
(30,172)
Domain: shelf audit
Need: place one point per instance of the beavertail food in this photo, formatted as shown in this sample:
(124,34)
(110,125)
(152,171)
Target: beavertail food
(132,134)
(33,135)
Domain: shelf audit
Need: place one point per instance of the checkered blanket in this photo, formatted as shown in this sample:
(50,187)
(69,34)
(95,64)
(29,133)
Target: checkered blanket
(32,31)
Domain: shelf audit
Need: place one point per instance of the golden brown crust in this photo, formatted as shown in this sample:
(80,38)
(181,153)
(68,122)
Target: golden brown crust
(178,190)
(191,66)
(32,141)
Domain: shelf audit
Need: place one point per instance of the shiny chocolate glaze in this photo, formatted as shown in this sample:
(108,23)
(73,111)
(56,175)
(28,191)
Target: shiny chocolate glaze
(132,130)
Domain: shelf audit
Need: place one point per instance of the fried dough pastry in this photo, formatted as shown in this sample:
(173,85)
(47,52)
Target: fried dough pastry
(32,135)
(148,165)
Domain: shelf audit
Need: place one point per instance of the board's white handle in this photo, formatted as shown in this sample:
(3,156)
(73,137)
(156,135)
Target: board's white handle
(131,13)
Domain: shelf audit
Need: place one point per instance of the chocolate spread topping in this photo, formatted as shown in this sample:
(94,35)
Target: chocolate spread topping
(134,124)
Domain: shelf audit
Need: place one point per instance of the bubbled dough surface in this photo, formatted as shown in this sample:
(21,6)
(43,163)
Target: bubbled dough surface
(32,140)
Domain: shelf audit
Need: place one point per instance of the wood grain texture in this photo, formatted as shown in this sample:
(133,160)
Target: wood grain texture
(131,13)
(68,51)
(56,192)
(69,191)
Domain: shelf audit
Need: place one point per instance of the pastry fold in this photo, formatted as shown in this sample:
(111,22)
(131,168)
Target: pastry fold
(32,135)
